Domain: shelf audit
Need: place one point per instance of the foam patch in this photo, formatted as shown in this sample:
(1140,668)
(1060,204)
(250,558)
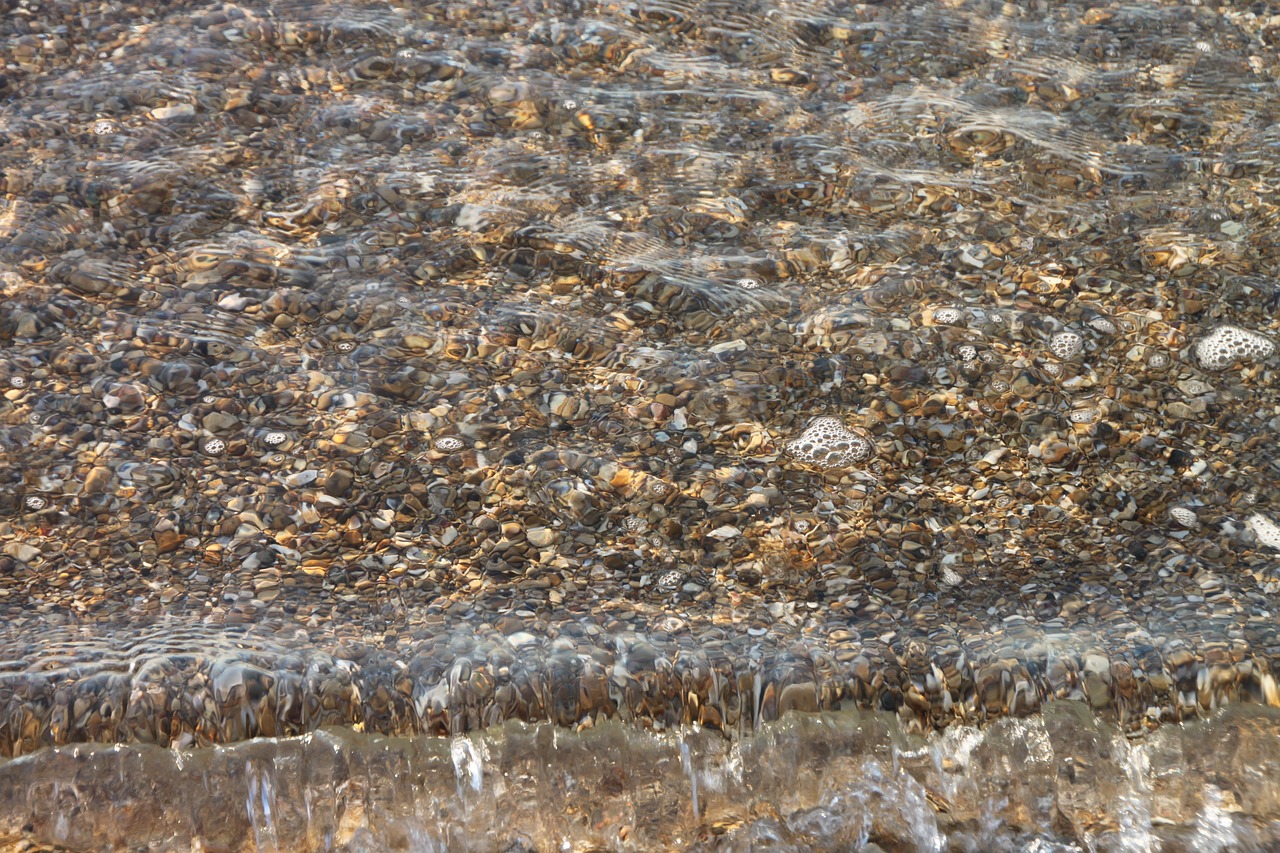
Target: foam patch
(1228,345)
(1267,531)
(827,443)
(1065,345)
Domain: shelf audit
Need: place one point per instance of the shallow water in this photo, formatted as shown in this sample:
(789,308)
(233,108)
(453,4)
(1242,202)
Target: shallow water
(417,367)
(842,781)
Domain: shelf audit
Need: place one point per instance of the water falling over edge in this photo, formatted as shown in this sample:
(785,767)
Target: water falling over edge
(850,780)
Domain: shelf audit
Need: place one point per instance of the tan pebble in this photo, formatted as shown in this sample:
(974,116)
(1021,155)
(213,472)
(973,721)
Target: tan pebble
(21,551)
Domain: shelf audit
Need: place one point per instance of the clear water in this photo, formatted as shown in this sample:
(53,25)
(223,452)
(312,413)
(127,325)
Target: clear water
(652,369)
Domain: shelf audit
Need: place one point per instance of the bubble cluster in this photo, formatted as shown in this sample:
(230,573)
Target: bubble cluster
(1103,325)
(1184,516)
(669,580)
(660,488)
(1004,502)
(987,356)
(18,381)
(103,127)
(827,443)
(1227,345)
(448,444)
(634,524)
(1083,416)
(999,386)
(1053,368)
(948,316)
(344,346)
(403,300)
(274,439)
(801,525)
(1158,360)
(1267,531)
(35,502)
(215,447)
(1066,345)
(968,352)
(748,283)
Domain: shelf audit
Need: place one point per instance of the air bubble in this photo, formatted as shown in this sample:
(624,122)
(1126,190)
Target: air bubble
(215,447)
(35,502)
(1185,517)
(448,444)
(208,398)
(1227,345)
(827,443)
(403,300)
(1066,345)
(569,104)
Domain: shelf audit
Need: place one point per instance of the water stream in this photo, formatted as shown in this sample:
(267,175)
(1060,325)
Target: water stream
(654,424)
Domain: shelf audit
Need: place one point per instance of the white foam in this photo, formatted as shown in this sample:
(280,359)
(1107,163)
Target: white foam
(1066,344)
(1228,345)
(827,443)
(1267,531)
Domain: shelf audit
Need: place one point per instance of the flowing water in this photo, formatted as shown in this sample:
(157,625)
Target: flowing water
(779,424)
